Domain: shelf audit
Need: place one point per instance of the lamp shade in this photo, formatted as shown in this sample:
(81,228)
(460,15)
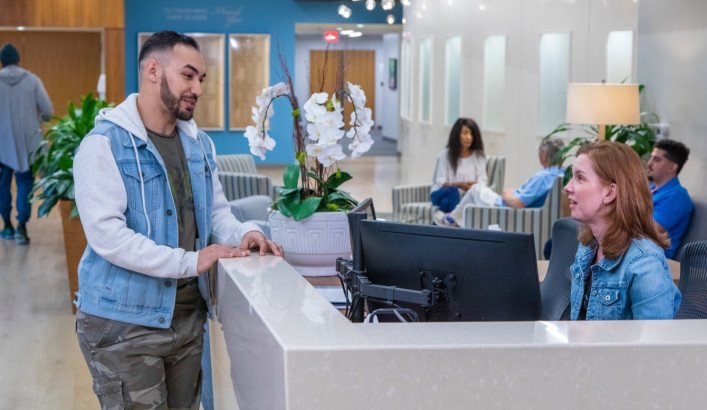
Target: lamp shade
(598,103)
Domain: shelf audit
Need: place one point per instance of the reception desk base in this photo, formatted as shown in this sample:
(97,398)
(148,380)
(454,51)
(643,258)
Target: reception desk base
(278,344)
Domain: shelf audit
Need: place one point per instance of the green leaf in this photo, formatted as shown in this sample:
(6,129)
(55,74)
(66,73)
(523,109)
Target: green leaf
(336,179)
(306,208)
(290,176)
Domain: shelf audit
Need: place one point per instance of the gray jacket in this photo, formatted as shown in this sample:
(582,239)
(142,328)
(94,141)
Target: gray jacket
(23,101)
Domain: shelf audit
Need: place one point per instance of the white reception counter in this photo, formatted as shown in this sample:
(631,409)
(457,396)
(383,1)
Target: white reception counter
(279,344)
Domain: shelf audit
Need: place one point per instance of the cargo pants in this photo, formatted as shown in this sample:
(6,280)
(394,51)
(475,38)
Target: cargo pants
(139,367)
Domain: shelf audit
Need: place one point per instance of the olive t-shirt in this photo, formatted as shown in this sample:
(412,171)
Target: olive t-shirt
(171,150)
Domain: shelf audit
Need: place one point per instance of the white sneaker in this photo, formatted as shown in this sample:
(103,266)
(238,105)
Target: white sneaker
(442,219)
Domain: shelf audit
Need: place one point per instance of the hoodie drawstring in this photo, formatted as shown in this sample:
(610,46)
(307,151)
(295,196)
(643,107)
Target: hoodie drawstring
(142,185)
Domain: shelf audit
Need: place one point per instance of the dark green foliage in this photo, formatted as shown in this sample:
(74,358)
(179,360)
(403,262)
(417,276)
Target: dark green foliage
(292,202)
(54,159)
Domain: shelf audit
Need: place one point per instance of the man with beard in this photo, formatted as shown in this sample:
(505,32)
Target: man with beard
(156,219)
(672,206)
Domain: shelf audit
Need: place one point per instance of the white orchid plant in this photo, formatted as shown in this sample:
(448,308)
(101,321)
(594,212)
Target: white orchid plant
(318,151)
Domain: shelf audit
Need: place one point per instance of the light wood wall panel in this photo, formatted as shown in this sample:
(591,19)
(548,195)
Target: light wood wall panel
(68,63)
(114,42)
(63,13)
(74,14)
(360,70)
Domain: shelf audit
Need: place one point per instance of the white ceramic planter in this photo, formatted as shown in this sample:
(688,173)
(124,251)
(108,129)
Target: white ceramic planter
(312,245)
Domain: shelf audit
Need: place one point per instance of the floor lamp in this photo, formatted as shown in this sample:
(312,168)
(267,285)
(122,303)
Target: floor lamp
(602,104)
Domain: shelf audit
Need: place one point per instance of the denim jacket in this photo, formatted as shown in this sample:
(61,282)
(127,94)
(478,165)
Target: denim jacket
(130,267)
(636,285)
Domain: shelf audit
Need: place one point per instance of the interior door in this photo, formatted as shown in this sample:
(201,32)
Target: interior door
(360,70)
(67,62)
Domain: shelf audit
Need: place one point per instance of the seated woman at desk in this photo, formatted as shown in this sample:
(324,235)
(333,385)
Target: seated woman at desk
(461,165)
(620,270)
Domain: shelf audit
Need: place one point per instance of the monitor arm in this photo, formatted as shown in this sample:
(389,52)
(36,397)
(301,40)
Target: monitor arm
(358,281)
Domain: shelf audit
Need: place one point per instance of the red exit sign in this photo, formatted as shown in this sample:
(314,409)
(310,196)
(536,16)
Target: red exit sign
(331,36)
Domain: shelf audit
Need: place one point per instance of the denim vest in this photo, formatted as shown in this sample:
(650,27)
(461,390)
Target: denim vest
(112,292)
(636,285)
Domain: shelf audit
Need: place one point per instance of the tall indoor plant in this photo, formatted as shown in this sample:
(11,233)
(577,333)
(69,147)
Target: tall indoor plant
(311,197)
(53,162)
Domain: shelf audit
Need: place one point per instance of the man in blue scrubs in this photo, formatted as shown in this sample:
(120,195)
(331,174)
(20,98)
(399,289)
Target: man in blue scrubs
(672,206)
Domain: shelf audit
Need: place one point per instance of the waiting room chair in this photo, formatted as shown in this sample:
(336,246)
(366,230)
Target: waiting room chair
(555,289)
(411,203)
(537,221)
(697,230)
(239,177)
(254,209)
(693,281)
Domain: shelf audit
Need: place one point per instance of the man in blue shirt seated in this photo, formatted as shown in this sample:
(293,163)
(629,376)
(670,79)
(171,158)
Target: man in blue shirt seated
(530,195)
(672,206)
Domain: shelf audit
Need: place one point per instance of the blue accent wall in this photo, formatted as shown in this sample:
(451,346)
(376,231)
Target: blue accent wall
(274,17)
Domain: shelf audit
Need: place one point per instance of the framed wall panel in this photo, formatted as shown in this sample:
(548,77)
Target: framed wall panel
(209,113)
(249,74)
(453,62)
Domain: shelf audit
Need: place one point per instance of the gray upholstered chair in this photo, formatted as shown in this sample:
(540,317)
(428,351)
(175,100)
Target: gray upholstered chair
(411,203)
(254,209)
(239,177)
(555,289)
(537,221)
(693,281)
(697,230)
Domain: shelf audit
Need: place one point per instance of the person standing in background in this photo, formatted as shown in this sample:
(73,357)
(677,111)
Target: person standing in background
(23,103)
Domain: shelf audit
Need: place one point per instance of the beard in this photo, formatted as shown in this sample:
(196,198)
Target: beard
(172,102)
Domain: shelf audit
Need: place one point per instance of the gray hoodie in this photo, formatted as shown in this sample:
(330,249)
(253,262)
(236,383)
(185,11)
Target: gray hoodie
(23,101)
(102,199)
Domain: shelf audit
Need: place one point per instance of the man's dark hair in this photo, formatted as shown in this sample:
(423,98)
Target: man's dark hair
(164,41)
(675,151)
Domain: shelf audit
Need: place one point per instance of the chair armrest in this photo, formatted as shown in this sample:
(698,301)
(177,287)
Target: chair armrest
(253,209)
(404,194)
(239,185)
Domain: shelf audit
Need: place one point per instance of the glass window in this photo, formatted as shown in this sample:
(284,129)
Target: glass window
(494,82)
(554,77)
(425,79)
(619,57)
(405,80)
(452,66)
(249,74)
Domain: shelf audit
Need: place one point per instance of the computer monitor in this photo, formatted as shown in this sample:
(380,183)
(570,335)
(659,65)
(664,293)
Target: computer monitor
(365,206)
(483,275)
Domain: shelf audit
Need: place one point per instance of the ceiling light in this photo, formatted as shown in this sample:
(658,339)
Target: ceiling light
(404,20)
(346,32)
(344,11)
(390,19)
(370,4)
(387,4)
(356,34)
(405,2)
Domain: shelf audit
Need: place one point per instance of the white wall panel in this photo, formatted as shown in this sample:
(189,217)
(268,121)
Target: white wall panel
(522,21)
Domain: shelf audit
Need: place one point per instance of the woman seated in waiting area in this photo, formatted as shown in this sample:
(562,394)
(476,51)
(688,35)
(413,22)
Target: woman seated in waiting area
(620,270)
(461,165)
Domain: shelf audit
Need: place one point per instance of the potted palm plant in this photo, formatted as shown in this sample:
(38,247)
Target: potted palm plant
(53,162)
